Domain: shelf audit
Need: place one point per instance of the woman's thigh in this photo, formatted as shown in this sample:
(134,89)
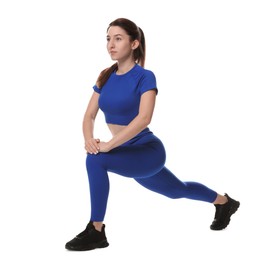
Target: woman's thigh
(140,159)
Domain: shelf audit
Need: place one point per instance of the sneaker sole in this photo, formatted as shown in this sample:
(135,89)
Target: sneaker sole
(231,212)
(102,244)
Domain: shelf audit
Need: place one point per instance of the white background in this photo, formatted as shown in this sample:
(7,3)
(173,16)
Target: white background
(208,60)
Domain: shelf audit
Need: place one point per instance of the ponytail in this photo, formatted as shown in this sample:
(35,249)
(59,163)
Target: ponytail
(104,75)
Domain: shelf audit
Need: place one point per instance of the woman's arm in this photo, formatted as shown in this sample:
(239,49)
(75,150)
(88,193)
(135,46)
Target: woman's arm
(139,123)
(91,144)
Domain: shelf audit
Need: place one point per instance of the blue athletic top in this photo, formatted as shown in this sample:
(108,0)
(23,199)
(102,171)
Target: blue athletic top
(120,96)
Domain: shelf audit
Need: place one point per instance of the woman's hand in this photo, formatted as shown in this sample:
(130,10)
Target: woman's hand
(104,147)
(92,146)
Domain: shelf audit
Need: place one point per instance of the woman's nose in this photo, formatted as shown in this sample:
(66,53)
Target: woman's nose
(111,44)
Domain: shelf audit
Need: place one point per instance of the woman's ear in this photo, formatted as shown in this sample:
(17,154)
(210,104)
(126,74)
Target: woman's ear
(135,44)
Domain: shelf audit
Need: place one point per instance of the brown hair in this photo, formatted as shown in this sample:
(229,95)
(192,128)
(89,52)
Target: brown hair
(139,54)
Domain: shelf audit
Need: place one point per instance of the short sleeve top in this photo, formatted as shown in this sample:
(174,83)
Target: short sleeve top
(120,96)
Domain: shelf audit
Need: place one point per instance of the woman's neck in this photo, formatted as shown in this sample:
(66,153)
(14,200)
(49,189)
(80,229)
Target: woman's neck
(124,67)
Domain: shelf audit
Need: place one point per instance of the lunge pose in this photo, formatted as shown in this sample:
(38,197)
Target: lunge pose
(126,94)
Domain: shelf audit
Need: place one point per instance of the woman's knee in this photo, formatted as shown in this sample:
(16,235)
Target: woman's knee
(94,160)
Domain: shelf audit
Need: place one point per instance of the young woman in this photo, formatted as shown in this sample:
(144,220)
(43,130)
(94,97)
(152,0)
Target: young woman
(126,94)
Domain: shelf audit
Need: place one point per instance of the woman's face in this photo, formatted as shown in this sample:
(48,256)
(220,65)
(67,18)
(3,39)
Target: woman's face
(119,45)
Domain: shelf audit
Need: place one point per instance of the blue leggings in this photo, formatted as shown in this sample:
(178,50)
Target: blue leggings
(141,158)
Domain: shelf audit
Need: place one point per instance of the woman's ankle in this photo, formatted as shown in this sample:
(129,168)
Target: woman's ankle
(220,199)
(98,225)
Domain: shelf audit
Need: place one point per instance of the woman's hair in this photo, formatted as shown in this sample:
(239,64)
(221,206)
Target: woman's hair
(139,54)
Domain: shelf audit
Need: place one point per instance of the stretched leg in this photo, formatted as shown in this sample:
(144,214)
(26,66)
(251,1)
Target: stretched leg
(167,184)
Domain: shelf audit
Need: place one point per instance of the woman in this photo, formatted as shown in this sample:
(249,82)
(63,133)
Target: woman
(126,94)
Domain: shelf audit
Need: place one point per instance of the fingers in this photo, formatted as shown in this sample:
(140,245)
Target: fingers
(92,147)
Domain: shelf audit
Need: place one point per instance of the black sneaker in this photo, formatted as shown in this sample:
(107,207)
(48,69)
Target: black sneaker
(89,239)
(223,213)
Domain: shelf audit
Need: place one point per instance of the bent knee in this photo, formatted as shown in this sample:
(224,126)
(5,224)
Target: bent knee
(93,160)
